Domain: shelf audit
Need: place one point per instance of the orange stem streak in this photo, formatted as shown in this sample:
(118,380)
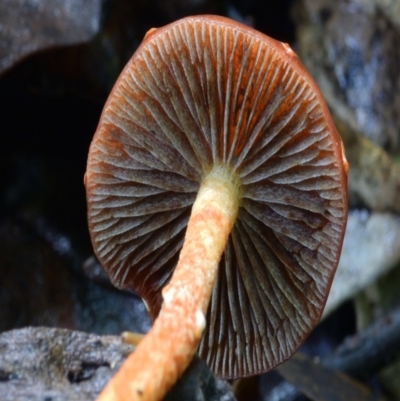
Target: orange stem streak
(165,352)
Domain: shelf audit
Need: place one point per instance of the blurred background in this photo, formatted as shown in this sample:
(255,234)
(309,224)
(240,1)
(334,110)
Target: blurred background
(58,62)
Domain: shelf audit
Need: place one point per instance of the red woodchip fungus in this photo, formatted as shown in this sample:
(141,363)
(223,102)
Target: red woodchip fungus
(215,122)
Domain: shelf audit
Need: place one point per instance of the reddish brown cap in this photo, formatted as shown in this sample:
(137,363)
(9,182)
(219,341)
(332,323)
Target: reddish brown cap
(207,90)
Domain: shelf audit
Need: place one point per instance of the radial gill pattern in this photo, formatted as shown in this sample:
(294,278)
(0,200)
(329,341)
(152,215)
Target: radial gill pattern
(203,91)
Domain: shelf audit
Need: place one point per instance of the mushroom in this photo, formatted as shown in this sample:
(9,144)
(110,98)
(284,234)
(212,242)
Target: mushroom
(216,188)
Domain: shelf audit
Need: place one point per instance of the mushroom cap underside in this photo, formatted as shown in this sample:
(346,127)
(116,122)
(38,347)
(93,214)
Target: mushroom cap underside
(203,91)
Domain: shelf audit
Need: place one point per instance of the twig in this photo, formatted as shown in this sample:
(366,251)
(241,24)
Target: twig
(360,355)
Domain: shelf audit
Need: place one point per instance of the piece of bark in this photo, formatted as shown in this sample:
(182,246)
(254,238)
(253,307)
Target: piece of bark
(351,48)
(371,248)
(360,356)
(370,350)
(320,383)
(374,176)
(27,26)
(39,364)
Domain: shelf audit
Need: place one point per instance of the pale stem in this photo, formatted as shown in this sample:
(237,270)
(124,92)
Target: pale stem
(165,352)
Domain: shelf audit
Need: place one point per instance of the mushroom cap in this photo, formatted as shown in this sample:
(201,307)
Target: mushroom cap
(207,90)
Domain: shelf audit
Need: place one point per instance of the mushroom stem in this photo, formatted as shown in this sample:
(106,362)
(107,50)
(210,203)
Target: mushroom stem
(165,352)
